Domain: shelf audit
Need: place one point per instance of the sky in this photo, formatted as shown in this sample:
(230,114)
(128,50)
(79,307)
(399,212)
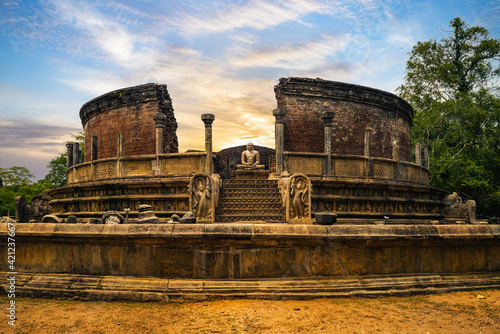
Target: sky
(221,57)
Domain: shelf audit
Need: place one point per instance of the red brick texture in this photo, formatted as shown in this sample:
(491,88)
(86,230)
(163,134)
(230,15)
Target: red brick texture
(356,109)
(129,111)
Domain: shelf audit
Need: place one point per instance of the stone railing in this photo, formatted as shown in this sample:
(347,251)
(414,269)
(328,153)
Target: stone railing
(172,164)
(315,164)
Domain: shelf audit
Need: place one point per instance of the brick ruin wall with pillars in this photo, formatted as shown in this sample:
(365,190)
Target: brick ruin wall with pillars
(129,111)
(357,109)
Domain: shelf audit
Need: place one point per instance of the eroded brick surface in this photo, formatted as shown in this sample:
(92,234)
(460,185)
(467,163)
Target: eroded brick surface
(356,109)
(129,111)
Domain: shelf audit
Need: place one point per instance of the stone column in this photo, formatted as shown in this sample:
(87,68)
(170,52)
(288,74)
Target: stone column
(418,154)
(119,153)
(395,150)
(76,154)
(119,145)
(69,152)
(279,133)
(93,157)
(327,117)
(368,154)
(159,119)
(93,149)
(368,143)
(209,163)
(160,125)
(426,162)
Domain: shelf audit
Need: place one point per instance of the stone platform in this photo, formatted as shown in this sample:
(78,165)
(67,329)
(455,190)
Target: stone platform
(109,288)
(234,259)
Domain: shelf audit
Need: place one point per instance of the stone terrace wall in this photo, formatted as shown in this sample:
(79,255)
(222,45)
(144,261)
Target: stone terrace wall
(356,110)
(129,111)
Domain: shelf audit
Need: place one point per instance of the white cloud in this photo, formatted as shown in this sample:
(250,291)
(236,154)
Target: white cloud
(296,56)
(256,14)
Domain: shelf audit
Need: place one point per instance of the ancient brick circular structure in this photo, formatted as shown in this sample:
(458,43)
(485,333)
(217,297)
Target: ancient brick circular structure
(356,109)
(129,111)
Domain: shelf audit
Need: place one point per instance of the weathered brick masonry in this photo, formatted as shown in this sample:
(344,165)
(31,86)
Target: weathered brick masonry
(356,108)
(129,111)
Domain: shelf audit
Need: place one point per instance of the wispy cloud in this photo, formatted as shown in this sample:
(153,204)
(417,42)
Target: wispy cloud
(256,14)
(297,56)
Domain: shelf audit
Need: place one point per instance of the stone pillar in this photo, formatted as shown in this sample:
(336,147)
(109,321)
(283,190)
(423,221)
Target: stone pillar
(119,154)
(418,154)
(159,119)
(209,163)
(427,150)
(160,125)
(93,149)
(395,150)
(279,133)
(93,157)
(368,143)
(368,154)
(69,152)
(76,154)
(119,146)
(327,117)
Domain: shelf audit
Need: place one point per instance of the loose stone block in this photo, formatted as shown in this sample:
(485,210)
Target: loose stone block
(325,218)
(71,220)
(51,219)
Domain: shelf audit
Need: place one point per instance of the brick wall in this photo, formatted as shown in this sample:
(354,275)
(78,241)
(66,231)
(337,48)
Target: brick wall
(356,109)
(130,111)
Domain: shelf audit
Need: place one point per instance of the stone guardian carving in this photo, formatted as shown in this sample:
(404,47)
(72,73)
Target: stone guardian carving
(298,199)
(204,196)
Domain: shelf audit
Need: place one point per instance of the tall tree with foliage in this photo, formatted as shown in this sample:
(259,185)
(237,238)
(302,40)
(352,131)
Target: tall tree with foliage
(56,176)
(452,86)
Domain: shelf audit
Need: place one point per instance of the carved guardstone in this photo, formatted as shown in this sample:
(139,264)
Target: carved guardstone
(204,196)
(456,210)
(298,199)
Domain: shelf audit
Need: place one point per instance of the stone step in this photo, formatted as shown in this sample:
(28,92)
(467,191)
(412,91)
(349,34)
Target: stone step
(236,217)
(249,203)
(276,211)
(248,184)
(250,200)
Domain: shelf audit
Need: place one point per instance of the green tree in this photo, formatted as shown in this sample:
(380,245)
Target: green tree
(56,176)
(450,84)
(16,176)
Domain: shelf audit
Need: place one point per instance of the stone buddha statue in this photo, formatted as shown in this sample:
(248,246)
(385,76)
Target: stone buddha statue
(250,159)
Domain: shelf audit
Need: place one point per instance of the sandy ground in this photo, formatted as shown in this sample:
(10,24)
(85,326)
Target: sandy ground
(463,312)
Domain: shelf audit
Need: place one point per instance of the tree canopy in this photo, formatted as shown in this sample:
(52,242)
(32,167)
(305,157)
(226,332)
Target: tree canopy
(16,181)
(452,86)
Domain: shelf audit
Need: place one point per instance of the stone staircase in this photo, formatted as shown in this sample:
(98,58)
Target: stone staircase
(250,200)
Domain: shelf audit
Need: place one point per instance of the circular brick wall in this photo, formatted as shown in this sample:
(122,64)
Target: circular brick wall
(129,111)
(356,109)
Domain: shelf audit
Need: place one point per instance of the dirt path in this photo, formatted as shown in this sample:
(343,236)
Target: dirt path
(464,312)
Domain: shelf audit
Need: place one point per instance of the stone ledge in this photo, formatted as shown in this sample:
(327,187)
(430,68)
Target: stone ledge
(242,230)
(89,287)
